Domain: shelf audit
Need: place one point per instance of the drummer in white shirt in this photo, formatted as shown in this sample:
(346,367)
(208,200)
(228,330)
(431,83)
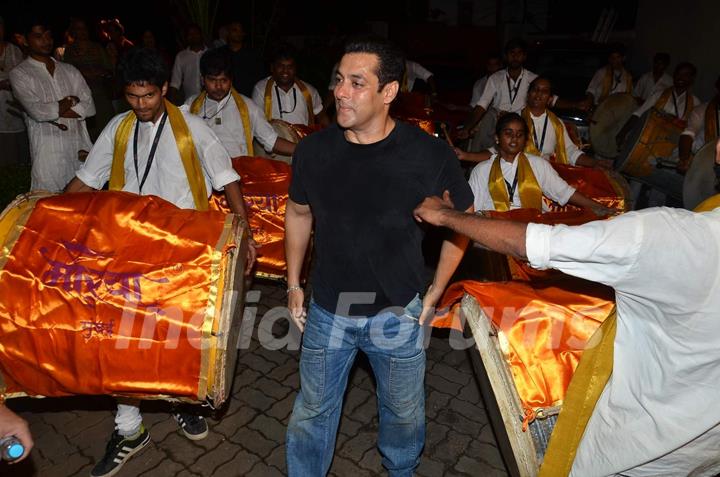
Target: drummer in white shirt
(234,118)
(676,101)
(612,78)
(703,127)
(655,80)
(519,173)
(282,95)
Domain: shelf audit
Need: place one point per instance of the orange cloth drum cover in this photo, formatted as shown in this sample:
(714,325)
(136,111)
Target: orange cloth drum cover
(109,293)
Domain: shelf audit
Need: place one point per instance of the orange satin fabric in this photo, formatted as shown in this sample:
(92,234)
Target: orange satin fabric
(414,108)
(265,185)
(109,293)
(593,183)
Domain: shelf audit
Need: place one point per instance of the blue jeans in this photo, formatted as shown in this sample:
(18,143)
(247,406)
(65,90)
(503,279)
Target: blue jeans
(394,346)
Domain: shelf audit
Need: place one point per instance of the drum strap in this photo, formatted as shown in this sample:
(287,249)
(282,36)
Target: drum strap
(559,129)
(530,192)
(583,392)
(242,109)
(712,121)
(303,89)
(670,92)
(186,148)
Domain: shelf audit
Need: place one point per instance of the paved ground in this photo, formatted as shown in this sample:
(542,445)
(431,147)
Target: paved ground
(248,438)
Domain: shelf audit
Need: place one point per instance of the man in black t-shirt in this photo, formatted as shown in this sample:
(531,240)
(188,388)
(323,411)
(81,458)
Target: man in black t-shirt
(359,181)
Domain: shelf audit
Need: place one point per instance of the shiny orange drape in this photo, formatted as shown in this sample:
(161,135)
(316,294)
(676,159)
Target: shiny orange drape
(544,317)
(265,185)
(596,184)
(108,293)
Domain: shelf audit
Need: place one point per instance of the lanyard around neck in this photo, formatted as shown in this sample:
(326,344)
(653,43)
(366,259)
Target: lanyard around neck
(141,183)
(511,188)
(280,108)
(513,92)
(539,145)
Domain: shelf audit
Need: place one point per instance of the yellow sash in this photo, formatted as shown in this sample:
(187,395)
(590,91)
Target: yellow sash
(587,384)
(711,130)
(532,148)
(303,89)
(242,109)
(665,97)
(608,80)
(530,192)
(186,148)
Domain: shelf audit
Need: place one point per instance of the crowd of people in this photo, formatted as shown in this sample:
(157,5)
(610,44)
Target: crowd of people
(129,117)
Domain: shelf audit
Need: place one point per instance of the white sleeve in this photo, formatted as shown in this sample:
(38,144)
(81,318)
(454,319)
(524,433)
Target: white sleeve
(419,71)
(649,103)
(642,87)
(696,121)
(479,187)
(176,79)
(603,251)
(262,129)
(22,89)
(258,95)
(95,171)
(571,149)
(488,95)
(552,185)
(595,86)
(86,107)
(316,99)
(214,158)
(477,90)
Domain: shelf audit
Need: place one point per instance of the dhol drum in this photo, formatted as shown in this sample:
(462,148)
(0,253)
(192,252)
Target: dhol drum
(285,130)
(700,180)
(110,293)
(415,109)
(607,120)
(654,138)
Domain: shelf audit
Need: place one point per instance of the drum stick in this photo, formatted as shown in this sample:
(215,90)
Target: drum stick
(447,134)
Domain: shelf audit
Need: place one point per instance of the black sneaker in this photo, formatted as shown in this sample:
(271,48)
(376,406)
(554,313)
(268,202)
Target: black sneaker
(118,451)
(194,427)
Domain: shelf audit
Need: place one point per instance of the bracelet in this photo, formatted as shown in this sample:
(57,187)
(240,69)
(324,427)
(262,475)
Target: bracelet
(294,288)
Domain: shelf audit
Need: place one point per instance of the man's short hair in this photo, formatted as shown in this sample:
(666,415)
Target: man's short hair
(686,65)
(31,21)
(216,62)
(283,52)
(391,60)
(142,65)
(662,56)
(508,118)
(616,48)
(537,80)
(516,43)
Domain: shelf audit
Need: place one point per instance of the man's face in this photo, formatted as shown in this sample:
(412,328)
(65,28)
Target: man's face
(39,41)
(516,57)
(512,138)
(615,60)
(539,94)
(659,66)
(79,30)
(235,32)
(146,100)
(283,72)
(357,98)
(217,86)
(683,79)
(194,37)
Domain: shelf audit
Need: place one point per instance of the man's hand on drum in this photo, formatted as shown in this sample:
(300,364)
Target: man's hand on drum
(602,211)
(13,425)
(296,305)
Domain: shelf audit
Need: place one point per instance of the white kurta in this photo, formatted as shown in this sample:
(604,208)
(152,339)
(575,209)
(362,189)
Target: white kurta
(506,94)
(166,177)
(54,153)
(552,185)
(9,123)
(186,72)
(617,85)
(478,89)
(550,142)
(646,85)
(415,71)
(294,108)
(230,130)
(661,400)
(696,126)
(674,106)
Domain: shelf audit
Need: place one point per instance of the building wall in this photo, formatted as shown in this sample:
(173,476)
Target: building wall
(686,30)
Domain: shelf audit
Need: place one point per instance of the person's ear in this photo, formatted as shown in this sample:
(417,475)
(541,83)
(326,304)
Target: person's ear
(390,91)
(164,88)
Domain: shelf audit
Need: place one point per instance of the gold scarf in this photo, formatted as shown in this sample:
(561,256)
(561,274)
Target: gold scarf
(303,89)
(186,148)
(532,148)
(665,97)
(608,81)
(529,189)
(711,125)
(242,109)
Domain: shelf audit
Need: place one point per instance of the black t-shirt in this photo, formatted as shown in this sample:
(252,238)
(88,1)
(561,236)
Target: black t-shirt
(362,198)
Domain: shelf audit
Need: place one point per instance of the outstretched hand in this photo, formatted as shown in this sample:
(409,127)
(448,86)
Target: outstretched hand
(432,209)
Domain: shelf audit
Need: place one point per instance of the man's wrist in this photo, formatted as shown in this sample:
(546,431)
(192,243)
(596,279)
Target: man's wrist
(293,288)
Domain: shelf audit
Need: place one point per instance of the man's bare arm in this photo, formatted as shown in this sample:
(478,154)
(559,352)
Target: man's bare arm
(298,227)
(76,185)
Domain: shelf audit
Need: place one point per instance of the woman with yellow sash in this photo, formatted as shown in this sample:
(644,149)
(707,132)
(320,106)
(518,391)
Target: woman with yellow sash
(512,179)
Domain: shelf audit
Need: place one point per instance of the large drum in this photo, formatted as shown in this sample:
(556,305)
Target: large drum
(110,293)
(606,122)
(700,179)
(285,130)
(655,138)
